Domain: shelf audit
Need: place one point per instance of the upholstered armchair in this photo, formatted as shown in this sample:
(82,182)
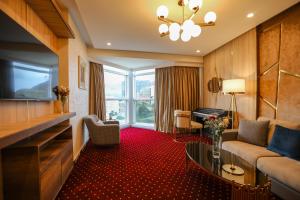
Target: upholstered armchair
(183,120)
(102,132)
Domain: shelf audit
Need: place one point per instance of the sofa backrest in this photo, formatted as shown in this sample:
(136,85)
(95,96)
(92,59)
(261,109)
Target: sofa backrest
(274,122)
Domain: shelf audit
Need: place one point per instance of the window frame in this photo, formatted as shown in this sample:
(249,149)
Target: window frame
(125,98)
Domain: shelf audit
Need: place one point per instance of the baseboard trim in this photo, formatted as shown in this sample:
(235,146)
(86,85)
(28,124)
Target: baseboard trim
(81,149)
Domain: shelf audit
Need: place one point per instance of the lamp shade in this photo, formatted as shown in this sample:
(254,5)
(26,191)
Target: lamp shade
(233,86)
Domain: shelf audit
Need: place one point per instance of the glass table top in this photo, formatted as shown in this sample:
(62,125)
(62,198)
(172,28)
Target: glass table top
(201,154)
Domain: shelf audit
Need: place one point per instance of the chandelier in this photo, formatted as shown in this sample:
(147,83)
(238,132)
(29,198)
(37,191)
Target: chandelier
(187,28)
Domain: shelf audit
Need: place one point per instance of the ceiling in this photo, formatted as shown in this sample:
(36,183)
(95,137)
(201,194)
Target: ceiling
(133,25)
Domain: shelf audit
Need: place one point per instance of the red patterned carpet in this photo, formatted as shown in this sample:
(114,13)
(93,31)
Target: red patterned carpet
(146,165)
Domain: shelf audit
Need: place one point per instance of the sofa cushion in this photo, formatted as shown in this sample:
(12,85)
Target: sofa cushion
(283,169)
(286,142)
(253,132)
(248,152)
(100,122)
(274,122)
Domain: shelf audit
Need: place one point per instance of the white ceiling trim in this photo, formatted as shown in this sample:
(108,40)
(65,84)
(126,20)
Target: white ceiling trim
(100,61)
(96,53)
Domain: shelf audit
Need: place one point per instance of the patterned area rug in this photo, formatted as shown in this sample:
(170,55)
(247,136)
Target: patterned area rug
(146,165)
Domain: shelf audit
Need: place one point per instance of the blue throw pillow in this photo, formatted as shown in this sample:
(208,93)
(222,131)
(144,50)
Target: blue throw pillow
(286,142)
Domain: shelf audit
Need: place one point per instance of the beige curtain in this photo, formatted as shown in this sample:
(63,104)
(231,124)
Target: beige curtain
(97,91)
(175,88)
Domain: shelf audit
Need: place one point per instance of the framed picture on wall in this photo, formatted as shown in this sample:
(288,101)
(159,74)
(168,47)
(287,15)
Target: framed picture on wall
(82,73)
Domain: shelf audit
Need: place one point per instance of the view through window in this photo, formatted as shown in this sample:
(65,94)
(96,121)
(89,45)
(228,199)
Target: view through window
(116,83)
(144,96)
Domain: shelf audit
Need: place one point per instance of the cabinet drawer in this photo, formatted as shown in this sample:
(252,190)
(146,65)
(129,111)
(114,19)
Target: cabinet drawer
(67,161)
(67,166)
(51,180)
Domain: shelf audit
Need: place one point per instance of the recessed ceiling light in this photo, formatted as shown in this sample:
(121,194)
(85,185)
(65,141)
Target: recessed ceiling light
(108,44)
(197,51)
(250,15)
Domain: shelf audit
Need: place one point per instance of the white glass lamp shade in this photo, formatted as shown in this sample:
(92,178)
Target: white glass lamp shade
(236,86)
(196,31)
(174,28)
(185,36)
(188,25)
(194,4)
(162,11)
(163,28)
(174,36)
(210,17)
(185,2)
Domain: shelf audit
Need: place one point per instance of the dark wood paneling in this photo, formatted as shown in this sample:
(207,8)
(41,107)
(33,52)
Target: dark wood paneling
(20,167)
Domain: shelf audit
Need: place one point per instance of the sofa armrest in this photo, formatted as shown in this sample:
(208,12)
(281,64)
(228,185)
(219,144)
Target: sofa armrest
(111,122)
(230,134)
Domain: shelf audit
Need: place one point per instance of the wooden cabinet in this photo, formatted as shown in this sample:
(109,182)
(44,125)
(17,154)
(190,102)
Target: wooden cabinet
(37,167)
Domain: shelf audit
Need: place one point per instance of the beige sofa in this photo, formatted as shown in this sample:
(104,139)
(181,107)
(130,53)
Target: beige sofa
(284,172)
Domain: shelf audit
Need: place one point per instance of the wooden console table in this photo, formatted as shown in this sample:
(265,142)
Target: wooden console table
(37,156)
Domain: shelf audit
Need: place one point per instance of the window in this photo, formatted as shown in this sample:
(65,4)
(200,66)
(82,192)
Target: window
(144,97)
(116,87)
(129,96)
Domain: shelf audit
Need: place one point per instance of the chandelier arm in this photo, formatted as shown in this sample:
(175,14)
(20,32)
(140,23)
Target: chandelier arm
(169,21)
(206,24)
(164,34)
(183,14)
(194,13)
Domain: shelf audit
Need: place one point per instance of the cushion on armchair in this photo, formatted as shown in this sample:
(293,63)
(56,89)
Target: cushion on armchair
(253,132)
(286,142)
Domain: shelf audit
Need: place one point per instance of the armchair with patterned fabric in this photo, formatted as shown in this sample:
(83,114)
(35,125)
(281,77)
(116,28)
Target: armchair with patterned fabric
(102,132)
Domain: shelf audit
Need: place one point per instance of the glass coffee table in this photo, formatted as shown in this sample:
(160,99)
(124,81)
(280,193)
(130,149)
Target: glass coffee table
(243,176)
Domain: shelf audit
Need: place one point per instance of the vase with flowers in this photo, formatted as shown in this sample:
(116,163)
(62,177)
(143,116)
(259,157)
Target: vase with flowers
(216,127)
(62,94)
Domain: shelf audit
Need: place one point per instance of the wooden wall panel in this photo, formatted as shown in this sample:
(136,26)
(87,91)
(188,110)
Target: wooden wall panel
(17,111)
(289,98)
(236,59)
(279,85)
(16,9)
(28,19)
(268,85)
(20,111)
(209,99)
(290,42)
(269,44)
(40,30)
(266,109)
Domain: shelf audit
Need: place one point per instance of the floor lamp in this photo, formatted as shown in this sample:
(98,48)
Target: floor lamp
(233,87)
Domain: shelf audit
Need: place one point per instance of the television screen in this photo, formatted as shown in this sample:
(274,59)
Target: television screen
(28,69)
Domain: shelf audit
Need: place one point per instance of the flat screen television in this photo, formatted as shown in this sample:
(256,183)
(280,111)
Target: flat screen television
(28,69)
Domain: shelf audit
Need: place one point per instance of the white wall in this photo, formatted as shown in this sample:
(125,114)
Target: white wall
(79,99)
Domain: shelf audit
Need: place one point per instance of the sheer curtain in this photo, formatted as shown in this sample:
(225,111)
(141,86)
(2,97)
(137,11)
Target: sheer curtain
(175,88)
(97,91)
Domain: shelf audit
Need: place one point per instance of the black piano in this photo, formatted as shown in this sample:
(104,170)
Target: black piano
(201,114)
